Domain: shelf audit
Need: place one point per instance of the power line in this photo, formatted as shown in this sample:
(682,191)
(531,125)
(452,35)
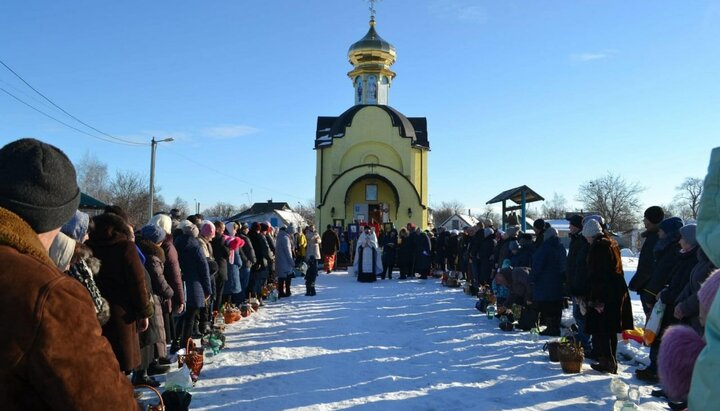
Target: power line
(230,175)
(70,115)
(64,123)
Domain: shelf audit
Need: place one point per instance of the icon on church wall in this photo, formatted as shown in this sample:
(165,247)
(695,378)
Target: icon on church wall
(372,90)
(371,192)
(359,88)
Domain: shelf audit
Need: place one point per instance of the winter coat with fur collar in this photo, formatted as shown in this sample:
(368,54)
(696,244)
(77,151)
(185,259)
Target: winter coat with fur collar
(606,285)
(122,282)
(53,356)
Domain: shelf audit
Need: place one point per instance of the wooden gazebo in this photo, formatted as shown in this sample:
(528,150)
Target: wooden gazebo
(519,195)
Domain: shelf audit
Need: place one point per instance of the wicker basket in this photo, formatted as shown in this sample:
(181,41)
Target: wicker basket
(553,348)
(571,358)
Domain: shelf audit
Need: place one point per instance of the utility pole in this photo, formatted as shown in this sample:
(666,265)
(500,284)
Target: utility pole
(153,147)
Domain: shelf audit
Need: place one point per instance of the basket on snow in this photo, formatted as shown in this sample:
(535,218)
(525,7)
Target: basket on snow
(553,348)
(571,358)
(452,282)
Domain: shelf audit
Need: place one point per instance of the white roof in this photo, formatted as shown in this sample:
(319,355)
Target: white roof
(467,219)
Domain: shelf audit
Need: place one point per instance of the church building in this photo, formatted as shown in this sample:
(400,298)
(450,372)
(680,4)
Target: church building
(372,160)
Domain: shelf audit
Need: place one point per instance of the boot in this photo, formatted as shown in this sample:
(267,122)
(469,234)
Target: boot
(281,287)
(312,291)
(648,374)
(288,281)
(605,364)
(553,327)
(156,368)
(308,289)
(140,377)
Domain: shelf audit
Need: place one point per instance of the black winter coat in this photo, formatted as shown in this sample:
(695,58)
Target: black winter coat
(404,252)
(665,259)
(679,278)
(688,299)
(645,262)
(577,266)
(221,254)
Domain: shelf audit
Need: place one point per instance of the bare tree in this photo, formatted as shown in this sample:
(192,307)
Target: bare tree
(445,210)
(221,210)
(130,191)
(614,198)
(307,211)
(554,208)
(688,196)
(181,205)
(531,212)
(93,177)
(488,213)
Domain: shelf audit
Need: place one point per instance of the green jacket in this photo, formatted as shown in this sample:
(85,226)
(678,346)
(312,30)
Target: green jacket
(706,374)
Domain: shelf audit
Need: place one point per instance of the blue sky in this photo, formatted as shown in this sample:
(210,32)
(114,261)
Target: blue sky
(548,94)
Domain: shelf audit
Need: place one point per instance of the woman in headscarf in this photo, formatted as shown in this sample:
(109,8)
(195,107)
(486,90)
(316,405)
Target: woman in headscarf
(608,303)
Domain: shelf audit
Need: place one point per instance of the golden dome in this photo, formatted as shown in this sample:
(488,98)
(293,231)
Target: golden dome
(371,41)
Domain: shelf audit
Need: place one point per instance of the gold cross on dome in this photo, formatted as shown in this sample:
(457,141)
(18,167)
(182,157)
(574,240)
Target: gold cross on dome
(372,8)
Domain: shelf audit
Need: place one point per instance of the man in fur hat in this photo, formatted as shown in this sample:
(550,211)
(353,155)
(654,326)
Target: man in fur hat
(54,355)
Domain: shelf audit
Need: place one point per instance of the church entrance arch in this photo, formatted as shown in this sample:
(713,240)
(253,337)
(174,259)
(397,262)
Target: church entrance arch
(373,199)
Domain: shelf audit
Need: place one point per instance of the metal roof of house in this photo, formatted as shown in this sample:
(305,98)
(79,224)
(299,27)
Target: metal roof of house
(90,203)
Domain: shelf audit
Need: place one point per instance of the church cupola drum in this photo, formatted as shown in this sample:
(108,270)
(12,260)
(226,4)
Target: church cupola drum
(371,159)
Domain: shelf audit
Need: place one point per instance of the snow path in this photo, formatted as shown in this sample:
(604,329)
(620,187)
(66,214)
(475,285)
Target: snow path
(389,345)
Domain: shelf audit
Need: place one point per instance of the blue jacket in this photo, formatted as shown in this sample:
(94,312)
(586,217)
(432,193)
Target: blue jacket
(194,267)
(548,271)
(233,284)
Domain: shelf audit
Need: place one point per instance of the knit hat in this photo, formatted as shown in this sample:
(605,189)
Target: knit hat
(207,229)
(654,214)
(687,232)
(488,232)
(62,250)
(595,217)
(153,233)
(163,221)
(539,224)
(38,183)
(707,293)
(117,210)
(188,228)
(77,227)
(679,349)
(514,246)
(591,228)
(550,232)
(576,221)
(512,231)
(671,225)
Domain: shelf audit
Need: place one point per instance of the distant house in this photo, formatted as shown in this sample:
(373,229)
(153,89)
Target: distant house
(278,214)
(459,222)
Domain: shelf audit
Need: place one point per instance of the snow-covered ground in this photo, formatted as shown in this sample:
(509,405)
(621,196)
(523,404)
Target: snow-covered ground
(393,345)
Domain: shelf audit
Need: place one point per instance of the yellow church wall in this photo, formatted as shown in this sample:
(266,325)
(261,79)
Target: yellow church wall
(336,198)
(371,136)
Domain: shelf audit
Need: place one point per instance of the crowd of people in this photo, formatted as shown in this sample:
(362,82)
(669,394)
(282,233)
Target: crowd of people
(88,302)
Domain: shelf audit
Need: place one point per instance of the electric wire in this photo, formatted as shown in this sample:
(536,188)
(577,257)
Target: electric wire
(64,123)
(224,174)
(68,114)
